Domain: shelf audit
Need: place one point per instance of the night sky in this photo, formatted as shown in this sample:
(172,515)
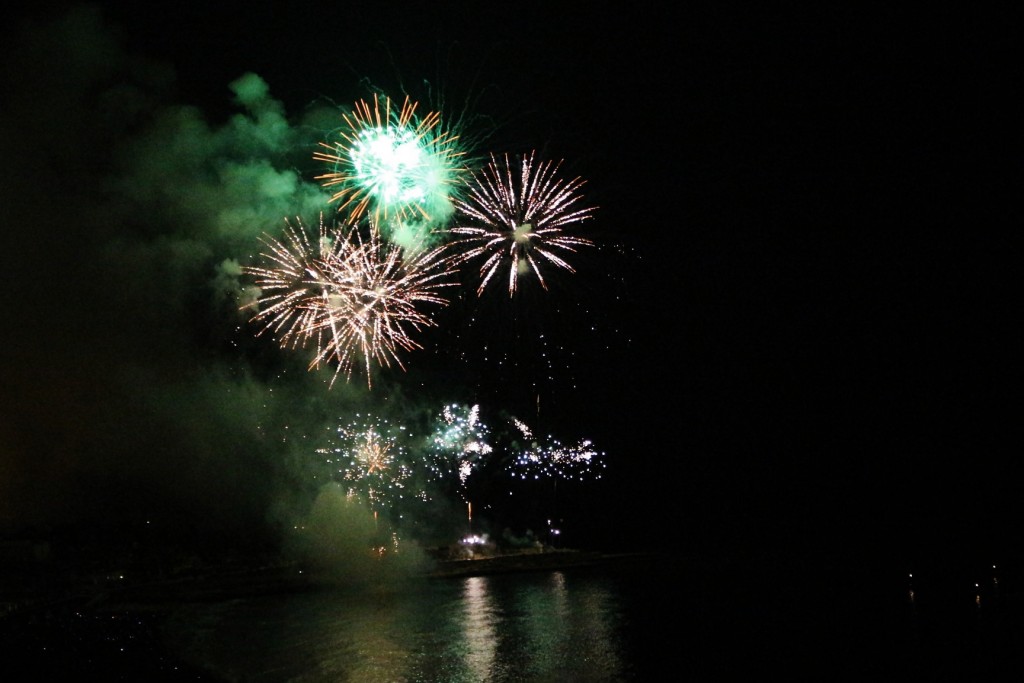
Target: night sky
(795,332)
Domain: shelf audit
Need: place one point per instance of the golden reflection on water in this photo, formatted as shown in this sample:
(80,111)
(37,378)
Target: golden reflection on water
(369,634)
(478,627)
(547,629)
(544,627)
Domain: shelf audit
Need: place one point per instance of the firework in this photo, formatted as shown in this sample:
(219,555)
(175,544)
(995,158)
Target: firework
(460,430)
(367,457)
(518,220)
(351,297)
(292,284)
(382,288)
(458,443)
(553,460)
(392,165)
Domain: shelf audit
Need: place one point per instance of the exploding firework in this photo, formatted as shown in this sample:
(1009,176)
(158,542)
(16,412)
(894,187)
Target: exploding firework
(518,220)
(553,460)
(367,457)
(293,284)
(458,444)
(392,165)
(383,287)
(350,296)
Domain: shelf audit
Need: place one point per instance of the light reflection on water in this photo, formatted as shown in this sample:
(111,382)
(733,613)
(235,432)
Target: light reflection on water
(616,623)
(479,628)
(548,626)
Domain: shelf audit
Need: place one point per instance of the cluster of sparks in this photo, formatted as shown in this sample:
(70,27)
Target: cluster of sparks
(368,457)
(517,221)
(357,297)
(352,297)
(459,443)
(383,464)
(391,164)
(553,460)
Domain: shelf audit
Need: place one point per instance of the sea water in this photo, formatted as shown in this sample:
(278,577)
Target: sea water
(647,619)
(552,625)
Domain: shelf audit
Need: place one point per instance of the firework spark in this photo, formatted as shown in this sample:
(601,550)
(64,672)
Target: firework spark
(351,297)
(458,443)
(293,284)
(392,164)
(367,456)
(519,221)
(553,460)
(461,430)
(384,287)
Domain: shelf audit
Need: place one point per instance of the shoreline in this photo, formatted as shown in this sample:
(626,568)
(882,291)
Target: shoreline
(548,560)
(157,594)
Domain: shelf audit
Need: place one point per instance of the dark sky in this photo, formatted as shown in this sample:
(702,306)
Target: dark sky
(797,326)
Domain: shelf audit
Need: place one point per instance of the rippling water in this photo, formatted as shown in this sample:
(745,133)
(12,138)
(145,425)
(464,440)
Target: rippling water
(625,621)
(546,626)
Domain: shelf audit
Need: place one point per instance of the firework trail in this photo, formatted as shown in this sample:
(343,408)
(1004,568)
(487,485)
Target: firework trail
(351,297)
(392,165)
(519,221)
